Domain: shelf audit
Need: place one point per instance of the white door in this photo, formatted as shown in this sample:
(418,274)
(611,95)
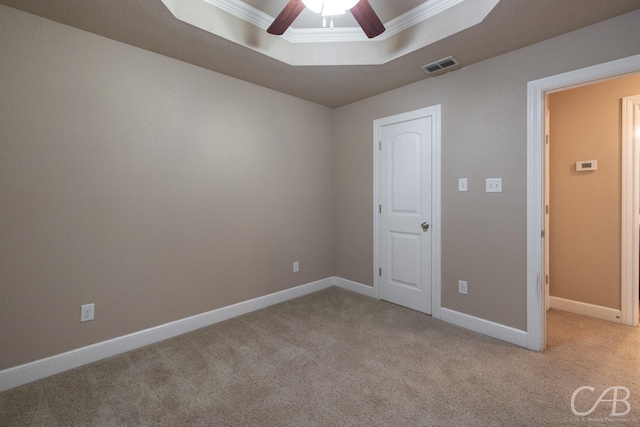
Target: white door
(405,211)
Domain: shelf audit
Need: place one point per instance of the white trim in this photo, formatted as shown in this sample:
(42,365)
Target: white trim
(476,324)
(417,15)
(436,216)
(327,35)
(535,215)
(244,11)
(486,327)
(630,240)
(22,374)
(436,199)
(535,179)
(376,208)
(260,19)
(585,309)
(354,287)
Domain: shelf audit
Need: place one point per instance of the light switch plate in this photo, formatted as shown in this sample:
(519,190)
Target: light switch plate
(462,184)
(494,185)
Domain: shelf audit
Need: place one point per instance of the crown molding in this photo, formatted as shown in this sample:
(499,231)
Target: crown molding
(418,14)
(241,10)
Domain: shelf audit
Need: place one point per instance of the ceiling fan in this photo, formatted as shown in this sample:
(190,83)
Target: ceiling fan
(361,11)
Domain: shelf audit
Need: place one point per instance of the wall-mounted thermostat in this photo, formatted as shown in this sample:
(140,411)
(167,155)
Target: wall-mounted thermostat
(586,165)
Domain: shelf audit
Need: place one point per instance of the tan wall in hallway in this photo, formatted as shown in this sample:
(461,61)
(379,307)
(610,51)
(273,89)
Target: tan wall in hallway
(153,188)
(584,245)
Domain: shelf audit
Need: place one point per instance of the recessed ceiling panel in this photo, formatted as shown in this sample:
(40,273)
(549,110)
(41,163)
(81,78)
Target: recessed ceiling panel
(385,9)
(245,23)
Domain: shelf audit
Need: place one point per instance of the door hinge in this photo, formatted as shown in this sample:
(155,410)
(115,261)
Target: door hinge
(542,233)
(380,272)
(546,279)
(546,139)
(546,209)
(380,145)
(379,208)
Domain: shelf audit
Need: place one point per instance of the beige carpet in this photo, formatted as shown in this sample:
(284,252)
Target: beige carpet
(336,358)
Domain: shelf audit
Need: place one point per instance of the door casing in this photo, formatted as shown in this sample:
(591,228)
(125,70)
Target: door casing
(630,251)
(536,91)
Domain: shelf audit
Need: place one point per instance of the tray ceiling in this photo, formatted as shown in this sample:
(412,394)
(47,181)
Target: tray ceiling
(344,45)
(148,24)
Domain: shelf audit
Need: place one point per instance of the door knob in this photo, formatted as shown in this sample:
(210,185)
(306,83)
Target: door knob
(425,226)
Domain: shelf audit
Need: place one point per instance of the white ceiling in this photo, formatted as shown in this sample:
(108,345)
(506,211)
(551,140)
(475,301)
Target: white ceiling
(150,25)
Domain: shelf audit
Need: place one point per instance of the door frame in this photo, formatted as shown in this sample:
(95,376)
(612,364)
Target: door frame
(547,201)
(435,113)
(536,91)
(630,251)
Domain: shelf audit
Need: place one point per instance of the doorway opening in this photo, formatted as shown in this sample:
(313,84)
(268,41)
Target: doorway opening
(537,91)
(589,175)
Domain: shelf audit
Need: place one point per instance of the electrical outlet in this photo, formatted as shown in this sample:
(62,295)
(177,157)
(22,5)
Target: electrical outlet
(86,312)
(462,287)
(296,267)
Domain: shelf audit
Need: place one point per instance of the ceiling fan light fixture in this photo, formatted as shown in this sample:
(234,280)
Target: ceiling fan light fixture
(314,6)
(329,7)
(360,9)
(348,4)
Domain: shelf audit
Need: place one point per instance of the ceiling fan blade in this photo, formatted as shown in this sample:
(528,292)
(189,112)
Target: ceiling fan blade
(286,17)
(367,18)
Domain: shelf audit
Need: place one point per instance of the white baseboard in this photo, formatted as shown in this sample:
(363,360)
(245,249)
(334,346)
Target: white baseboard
(476,324)
(22,374)
(353,286)
(591,310)
(19,375)
(486,327)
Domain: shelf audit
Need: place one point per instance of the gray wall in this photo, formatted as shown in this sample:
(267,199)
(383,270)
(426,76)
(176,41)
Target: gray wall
(160,190)
(152,188)
(484,135)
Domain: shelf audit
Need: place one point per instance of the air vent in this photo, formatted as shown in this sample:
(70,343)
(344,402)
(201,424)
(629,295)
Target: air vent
(440,65)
